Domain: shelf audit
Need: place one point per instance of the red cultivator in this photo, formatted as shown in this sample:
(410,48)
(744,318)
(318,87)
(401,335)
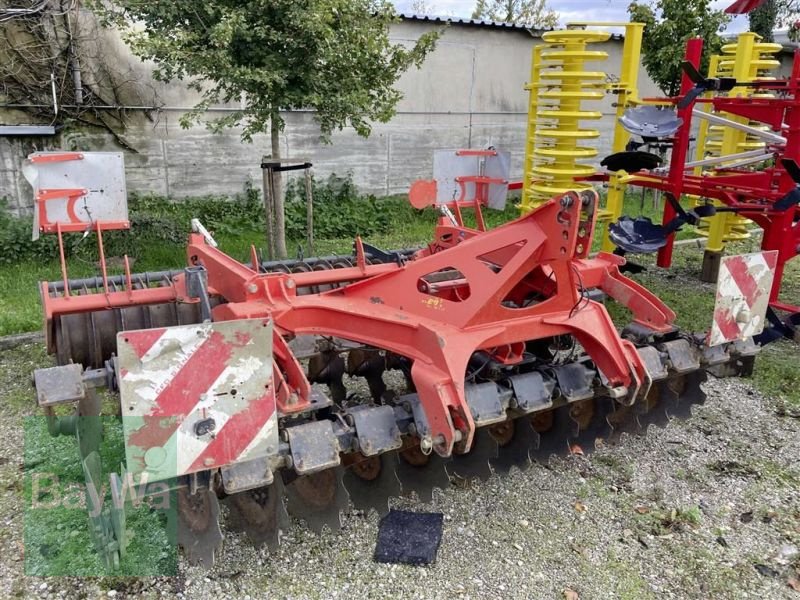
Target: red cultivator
(507,352)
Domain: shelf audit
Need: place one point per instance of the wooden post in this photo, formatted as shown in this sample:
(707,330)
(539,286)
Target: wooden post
(267,186)
(309,213)
(279,211)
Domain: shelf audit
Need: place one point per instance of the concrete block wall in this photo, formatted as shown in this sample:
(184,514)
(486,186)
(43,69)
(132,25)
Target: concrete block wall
(468,93)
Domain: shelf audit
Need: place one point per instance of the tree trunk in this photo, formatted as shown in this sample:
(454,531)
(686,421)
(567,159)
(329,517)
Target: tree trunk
(279,215)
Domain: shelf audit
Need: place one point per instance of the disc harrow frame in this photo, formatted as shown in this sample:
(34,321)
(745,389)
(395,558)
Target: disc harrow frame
(508,351)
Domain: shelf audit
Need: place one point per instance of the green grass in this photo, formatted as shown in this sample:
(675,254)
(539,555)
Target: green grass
(20,306)
(777,373)
(16,385)
(57,539)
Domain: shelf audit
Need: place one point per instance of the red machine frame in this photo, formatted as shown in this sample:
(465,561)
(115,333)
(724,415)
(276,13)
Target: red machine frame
(439,326)
(752,192)
(544,252)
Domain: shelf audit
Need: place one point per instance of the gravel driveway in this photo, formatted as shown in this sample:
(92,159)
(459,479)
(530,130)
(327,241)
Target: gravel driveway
(707,508)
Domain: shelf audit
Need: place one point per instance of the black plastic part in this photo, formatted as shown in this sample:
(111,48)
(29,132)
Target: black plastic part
(639,235)
(777,328)
(631,161)
(691,72)
(382,255)
(276,166)
(792,168)
(628,267)
(705,210)
(409,538)
(792,198)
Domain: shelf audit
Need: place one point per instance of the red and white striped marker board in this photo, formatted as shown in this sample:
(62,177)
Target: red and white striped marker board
(196,397)
(743,289)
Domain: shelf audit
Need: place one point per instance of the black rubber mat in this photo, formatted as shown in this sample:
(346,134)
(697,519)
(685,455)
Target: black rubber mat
(409,538)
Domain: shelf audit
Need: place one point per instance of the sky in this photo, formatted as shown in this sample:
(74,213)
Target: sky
(569,10)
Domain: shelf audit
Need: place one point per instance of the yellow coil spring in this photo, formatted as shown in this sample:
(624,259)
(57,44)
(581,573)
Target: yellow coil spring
(559,84)
(746,60)
(759,67)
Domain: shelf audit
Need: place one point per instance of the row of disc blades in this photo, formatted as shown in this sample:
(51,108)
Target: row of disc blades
(369,483)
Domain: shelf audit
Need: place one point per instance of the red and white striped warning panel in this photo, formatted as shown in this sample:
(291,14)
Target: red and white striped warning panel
(742,300)
(196,397)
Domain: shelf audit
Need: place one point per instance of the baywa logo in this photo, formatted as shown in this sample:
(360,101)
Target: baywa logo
(48,492)
(83,518)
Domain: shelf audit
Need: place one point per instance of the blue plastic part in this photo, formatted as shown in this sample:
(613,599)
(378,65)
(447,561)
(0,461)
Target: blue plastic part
(639,235)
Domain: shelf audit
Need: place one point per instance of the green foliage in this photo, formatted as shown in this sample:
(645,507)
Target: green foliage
(153,219)
(787,15)
(339,210)
(764,20)
(668,24)
(536,13)
(332,56)
(15,239)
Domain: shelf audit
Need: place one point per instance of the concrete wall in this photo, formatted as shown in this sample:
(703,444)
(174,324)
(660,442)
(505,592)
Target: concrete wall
(468,93)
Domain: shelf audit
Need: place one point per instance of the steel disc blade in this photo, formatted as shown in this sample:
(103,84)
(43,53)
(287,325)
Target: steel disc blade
(695,393)
(555,428)
(685,391)
(318,499)
(515,438)
(198,525)
(421,473)
(371,482)
(259,513)
(625,419)
(652,409)
(475,463)
(591,418)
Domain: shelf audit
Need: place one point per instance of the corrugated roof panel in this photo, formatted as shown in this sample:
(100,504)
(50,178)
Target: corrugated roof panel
(482,23)
(463,21)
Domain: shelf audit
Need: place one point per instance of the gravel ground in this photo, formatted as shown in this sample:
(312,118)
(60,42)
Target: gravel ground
(706,508)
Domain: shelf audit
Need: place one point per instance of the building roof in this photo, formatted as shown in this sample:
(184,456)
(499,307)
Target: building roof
(781,36)
(463,21)
(483,23)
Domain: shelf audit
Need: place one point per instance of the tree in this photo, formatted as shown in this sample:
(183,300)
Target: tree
(668,24)
(268,56)
(422,7)
(764,19)
(787,15)
(54,69)
(535,13)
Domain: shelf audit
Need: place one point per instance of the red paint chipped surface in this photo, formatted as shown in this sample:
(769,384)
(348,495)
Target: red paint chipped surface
(183,392)
(237,433)
(744,280)
(727,324)
(142,341)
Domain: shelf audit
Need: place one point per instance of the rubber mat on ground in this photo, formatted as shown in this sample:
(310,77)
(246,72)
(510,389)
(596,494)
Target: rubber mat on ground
(410,538)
